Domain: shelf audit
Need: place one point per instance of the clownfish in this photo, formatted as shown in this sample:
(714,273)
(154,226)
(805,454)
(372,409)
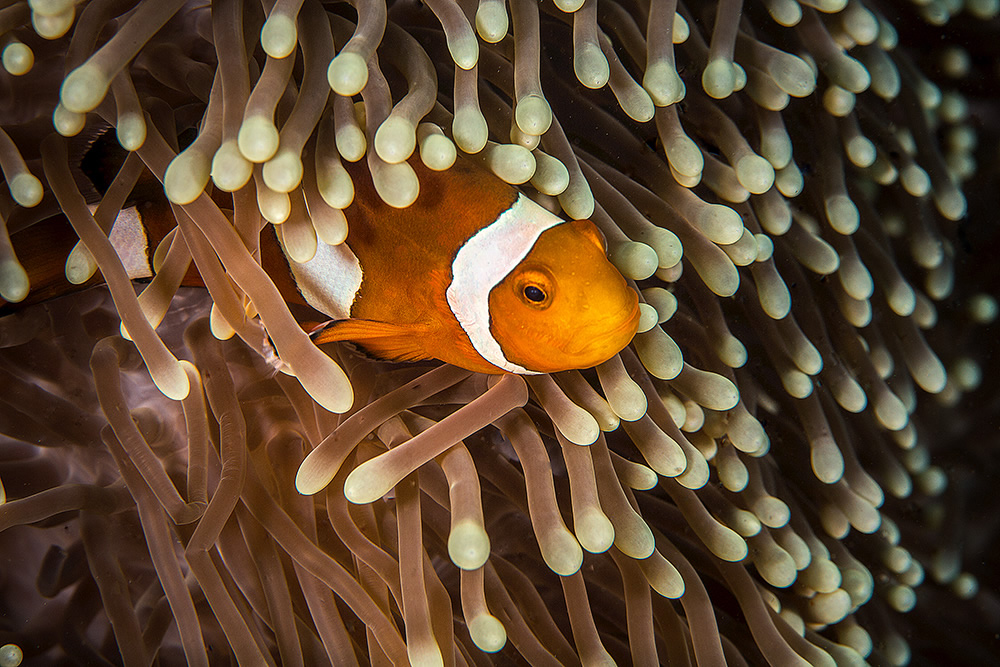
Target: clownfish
(473,273)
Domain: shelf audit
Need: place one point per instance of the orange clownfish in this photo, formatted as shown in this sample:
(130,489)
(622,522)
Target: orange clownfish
(473,273)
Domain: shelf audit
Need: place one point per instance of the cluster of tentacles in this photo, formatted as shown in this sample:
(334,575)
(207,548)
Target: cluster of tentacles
(779,469)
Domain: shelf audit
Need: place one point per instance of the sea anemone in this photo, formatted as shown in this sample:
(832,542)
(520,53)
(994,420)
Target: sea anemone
(776,470)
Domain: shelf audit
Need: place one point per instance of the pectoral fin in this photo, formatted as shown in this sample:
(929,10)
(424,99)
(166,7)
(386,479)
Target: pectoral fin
(394,342)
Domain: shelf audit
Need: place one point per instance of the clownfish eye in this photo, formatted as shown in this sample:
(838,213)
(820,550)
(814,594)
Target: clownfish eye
(534,294)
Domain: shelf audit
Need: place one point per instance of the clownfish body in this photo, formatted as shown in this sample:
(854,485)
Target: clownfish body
(473,273)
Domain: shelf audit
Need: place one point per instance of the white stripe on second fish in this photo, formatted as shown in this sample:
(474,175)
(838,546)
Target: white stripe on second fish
(330,280)
(128,238)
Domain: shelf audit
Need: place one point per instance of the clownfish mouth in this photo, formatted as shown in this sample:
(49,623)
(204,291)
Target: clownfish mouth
(598,343)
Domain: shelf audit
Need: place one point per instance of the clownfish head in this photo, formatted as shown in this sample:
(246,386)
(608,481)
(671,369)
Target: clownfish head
(564,306)
(537,294)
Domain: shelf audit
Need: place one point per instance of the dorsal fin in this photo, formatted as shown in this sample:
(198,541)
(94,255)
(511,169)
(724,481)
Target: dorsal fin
(94,158)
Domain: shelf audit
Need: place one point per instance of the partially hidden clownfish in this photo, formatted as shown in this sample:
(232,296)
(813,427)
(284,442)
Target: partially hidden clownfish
(473,273)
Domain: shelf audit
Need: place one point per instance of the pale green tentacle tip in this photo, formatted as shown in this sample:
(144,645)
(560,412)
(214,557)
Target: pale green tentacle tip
(258,139)
(11,655)
(861,24)
(901,598)
(470,130)
(577,201)
(983,9)
(186,177)
(929,94)
(351,142)
(594,531)
(551,176)
(680,31)
(965,587)
(861,152)
(53,26)
(732,352)
(668,247)
(569,6)
(84,88)
(637,104)
(80,265)
(789,180)
(740,75)
(279,35)
(838,102)
(518,137)
(395,139)
(347,74)
(719,79)
(219,326)
(487,632)
(663,301)
(468,545)
(659,354)
(793,75)
(721,223)
(915,180)
(464,50)
(131,131)
(230,169)
(50,7)
(26,190)
(684,156)
(283,172)
(983,308)
(854,76)
(719,392)
(398,185)
(787,14)
(437,151)
(728,545)
(842,214)
(335,186)
(765,247)
(491,21)
(330,225)
(663,84)
(512,163)
(590,65)
(365,484)
(951,204)
(561,551)
(636,475)
(313,474)
(635,261)
(14,283)
(274,206)
(172,381)
(533,114)
(755,174)
(424,654)
(648,317)
(954,107)
(777,148)
(638,543)
(796,383)
(18,58)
